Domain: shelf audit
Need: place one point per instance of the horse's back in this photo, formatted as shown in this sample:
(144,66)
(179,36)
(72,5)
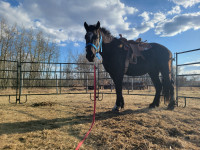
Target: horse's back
(154,58)
(160,51)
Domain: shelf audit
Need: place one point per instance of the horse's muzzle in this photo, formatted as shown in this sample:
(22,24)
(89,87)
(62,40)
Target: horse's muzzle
(90,58)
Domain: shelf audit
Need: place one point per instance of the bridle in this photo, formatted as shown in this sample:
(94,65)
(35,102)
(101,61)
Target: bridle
(97,49)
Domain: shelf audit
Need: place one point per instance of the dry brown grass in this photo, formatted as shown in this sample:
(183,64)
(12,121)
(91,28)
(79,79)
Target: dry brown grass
(61,121)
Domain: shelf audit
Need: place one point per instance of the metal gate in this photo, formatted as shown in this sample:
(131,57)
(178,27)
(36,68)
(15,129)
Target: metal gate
(186,76)
(9,78)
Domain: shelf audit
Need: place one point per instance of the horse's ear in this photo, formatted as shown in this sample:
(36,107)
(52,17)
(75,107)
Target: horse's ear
(98,25)
(86,26)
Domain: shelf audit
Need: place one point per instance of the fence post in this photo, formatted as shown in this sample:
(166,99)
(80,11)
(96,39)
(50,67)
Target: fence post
(20,80)
(176,79)
(60,78)
(132,83)
(56,84)
(111,83)
(87,85)
(18,89)
(17,84)
(128,84)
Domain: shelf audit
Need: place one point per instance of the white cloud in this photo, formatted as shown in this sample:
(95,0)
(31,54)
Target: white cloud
(76,44)
(178,24)
(55,34)
(13,15)
(175,10)
(194,61)
(186,3)
(52,16)
(62,44)
(190,69)
(158,17)
(145,15)
(63,20)
(149,23)
(185,71)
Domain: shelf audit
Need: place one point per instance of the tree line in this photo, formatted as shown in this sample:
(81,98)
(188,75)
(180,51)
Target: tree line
(20,44)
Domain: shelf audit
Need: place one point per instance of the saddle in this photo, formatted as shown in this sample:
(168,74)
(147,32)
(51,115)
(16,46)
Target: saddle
(134,49)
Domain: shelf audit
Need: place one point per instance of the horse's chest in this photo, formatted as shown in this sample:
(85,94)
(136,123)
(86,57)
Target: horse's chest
(108,67)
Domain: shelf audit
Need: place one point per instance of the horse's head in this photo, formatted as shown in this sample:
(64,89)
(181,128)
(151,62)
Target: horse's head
(93,40)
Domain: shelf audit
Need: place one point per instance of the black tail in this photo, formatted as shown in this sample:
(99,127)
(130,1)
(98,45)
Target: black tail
(168,82)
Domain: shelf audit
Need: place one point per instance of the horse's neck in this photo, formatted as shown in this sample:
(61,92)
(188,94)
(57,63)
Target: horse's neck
(107,38)
(110,46)
(110,49)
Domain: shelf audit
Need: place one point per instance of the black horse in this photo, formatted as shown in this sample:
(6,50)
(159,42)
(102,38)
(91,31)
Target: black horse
(158,59)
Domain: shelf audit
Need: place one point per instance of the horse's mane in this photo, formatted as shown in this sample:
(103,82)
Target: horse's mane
(106,32)
(108,36)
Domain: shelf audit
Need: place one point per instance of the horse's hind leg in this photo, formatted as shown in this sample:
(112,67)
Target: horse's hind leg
(158,86)
(168,87)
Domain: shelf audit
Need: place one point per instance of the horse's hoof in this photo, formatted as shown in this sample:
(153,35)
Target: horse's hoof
(152,105)
(157,104)
(171,106)
(115,108)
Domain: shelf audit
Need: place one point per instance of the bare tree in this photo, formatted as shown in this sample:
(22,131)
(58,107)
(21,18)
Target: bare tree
(22,45)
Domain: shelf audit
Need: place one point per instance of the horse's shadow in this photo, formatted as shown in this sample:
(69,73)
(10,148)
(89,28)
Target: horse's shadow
(50,124)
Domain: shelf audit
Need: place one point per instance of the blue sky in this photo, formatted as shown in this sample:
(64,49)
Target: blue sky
(172,23)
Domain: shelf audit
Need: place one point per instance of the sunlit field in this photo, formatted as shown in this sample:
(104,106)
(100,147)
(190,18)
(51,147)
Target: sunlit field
(61,121)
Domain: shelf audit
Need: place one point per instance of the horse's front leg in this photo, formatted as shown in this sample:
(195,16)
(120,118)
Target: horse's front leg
(120,100)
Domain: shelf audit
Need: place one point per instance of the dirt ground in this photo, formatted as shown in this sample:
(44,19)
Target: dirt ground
(61,121)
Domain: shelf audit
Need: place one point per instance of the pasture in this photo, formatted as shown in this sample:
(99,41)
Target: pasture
(61,121)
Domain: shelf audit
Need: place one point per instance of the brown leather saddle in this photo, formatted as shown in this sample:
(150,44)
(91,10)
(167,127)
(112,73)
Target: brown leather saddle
(134,49)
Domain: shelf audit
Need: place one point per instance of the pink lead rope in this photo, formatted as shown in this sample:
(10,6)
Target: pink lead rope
(86,135)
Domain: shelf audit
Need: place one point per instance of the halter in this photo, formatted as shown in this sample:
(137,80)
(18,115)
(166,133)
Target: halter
(99,48)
